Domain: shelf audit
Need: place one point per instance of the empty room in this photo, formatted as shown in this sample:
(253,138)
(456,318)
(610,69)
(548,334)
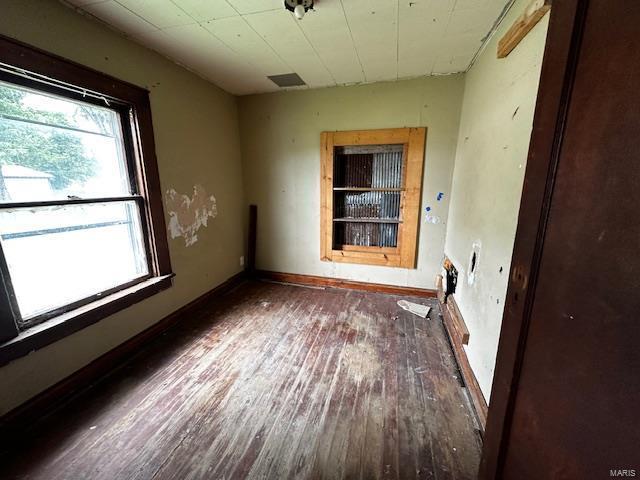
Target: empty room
(319,239)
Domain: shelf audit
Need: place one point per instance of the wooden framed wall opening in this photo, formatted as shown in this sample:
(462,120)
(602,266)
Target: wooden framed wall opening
(371,182)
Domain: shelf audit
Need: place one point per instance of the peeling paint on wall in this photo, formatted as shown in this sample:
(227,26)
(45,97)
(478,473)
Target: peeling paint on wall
(188,215)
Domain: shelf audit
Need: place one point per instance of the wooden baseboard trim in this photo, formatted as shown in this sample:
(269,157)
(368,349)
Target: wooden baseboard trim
(457,322)
(44,403)
(316,281)
(455,328)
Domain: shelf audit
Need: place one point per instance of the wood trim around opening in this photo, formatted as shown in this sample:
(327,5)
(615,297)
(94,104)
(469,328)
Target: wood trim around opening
(57,75)
(64,325)
(411,196)
(405,254)
(33,59)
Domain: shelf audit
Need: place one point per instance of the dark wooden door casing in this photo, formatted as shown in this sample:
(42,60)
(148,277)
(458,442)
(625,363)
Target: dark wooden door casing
(564,403)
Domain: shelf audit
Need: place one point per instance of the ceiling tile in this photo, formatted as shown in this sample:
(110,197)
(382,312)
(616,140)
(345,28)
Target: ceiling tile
(422,25)
(255,6)
(374,26)
(236,33)
(455,50)
(156,40)
(460,44)
(329,35)
(473,20)
(162,14)
(119,17)
(82,3)
(452,64)
(195,47)
(474,4)
(202,10)
(237,43)
(281,31)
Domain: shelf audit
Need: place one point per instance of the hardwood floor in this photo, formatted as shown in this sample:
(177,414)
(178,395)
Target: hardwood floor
(270,382)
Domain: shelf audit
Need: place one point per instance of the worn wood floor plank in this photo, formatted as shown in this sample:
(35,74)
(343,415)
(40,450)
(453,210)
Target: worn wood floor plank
(270,382)
(279,419)
(249,398)
(309,446)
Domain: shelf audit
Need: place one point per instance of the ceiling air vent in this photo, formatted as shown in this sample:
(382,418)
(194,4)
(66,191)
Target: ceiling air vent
(287,80)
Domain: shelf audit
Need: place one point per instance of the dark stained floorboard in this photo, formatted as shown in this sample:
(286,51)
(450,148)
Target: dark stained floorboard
(270,382)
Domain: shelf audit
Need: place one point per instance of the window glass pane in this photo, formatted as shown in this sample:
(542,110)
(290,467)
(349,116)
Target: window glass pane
(59,255)
(55,148)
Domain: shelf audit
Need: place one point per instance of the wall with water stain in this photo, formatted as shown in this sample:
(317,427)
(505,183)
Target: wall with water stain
(495,127)
(281,163)
(197,144)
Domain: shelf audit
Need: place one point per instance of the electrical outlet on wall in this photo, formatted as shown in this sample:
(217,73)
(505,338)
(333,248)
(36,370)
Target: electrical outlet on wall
(242,260)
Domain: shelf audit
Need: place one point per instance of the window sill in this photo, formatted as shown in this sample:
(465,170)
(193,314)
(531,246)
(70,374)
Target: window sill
(63,325)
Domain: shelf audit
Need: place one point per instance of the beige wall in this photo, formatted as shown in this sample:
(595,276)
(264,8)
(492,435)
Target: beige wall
(495,127)
(281,163)
(196,131)
(470,120)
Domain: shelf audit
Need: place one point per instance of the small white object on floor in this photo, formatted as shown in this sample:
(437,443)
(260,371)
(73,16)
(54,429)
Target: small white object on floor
(415,308)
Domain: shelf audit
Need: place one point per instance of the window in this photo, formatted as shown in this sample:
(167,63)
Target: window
(370,205)
(81,225)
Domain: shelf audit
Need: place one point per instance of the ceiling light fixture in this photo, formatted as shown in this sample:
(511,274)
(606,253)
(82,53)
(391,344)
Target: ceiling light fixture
(298,7)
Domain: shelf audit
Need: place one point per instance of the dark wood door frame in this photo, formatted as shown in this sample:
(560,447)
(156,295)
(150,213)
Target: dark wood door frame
(558,70)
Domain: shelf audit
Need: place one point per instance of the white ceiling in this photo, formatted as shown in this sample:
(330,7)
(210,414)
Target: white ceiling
(237,43)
